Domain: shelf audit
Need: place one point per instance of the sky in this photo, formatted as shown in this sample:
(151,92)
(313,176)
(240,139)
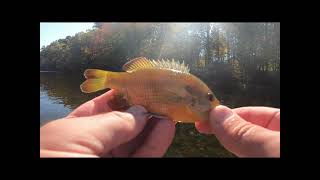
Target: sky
(50,32)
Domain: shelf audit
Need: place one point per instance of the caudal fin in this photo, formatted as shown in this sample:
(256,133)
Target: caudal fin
(96,80)
(95,73)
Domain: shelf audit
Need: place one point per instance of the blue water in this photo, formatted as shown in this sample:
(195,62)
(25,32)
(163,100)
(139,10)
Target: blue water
(51,108)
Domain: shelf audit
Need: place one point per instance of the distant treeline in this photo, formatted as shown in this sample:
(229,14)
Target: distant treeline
(225,55)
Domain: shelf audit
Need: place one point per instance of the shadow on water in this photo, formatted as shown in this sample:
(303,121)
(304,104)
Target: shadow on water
(60,94)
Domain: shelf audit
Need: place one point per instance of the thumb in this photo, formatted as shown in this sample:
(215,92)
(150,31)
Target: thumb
(117,127)
(241,137)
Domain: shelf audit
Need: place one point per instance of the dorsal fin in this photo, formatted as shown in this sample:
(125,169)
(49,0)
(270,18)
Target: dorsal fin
(144,63)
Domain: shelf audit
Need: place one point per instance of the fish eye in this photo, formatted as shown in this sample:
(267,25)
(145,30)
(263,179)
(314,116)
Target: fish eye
(210,97)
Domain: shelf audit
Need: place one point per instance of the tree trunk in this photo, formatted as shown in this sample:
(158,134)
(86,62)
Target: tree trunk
(218,46)
(208,44)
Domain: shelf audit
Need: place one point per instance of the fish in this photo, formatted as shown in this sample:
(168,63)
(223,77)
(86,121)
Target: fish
(166,88)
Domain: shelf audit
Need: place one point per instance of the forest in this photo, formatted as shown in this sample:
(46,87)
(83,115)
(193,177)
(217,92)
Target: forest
(238,58)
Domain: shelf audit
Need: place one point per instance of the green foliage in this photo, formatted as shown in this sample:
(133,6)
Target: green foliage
(237,52)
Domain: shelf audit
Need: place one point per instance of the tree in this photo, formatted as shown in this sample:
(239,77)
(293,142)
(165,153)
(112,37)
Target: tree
(228,52)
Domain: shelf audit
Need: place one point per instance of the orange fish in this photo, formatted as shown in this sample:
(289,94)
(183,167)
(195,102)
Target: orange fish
(163,87)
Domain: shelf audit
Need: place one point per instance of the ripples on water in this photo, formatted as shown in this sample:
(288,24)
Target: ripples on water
(51,107)
(60,94)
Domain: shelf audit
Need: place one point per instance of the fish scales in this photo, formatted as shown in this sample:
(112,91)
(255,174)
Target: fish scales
(163,87)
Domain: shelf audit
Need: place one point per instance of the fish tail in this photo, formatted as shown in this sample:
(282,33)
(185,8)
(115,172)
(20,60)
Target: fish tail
(96,80)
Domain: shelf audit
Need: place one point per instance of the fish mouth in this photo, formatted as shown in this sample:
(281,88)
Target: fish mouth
(215,103)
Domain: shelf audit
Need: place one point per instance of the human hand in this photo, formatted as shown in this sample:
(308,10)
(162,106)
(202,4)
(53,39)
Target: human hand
(94,130)
(245,131)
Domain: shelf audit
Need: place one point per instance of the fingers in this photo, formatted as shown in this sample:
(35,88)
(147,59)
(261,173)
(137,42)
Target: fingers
(128,149)
(263,116)
(117,128)
(109,130)
(55,154)
(101,102)
(94,106)
(158,140)
(241,137)
(203,127)
(96,134)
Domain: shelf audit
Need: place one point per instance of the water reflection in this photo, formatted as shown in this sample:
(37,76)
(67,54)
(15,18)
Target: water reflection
(51,108)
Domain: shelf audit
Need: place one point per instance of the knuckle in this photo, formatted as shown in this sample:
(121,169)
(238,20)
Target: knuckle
(243,131)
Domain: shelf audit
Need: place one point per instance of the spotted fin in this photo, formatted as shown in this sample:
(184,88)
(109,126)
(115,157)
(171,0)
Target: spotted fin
(144,63)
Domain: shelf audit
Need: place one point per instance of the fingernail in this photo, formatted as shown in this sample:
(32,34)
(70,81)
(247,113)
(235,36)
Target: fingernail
(221,113)
(137,109)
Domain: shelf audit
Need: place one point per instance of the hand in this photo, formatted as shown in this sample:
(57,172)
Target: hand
(246,131)
(94,130)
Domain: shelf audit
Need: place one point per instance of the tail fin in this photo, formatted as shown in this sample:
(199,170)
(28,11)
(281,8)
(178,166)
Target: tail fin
(96,80)
(95,73)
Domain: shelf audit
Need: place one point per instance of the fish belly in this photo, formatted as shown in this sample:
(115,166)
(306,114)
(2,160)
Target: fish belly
(147,89)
